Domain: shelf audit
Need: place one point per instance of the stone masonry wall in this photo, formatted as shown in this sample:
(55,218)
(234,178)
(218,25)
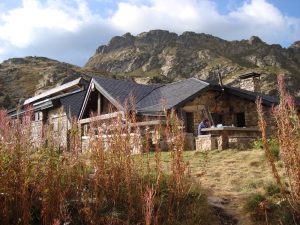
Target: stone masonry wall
(250,84)
(227,106)
(60,124)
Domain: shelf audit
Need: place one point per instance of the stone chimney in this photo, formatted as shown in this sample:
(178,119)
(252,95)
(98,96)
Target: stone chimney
(250,82)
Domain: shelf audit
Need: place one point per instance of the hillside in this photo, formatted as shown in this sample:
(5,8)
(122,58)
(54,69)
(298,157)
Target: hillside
(157,56)
(21,78)
(165,56)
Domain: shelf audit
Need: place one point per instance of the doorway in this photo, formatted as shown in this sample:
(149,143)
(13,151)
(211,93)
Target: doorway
(190,122)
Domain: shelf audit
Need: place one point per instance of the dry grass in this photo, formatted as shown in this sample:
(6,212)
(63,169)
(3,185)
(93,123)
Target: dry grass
(40,184)
(229,177)
(286,115)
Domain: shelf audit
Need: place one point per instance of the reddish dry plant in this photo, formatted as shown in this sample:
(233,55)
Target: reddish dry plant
(106,184)
(149,198)
(286,115)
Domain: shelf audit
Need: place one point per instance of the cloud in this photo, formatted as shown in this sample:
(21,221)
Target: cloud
(71,30)
(256,17)
(68,32)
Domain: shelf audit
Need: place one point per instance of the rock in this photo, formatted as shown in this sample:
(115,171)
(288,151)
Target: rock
(164,56)
(190,54)
(254,40)
(295,45)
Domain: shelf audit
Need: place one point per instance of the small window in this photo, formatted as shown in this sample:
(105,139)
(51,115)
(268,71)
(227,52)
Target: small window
(240,119)
(217,118)
(55,124)
(38,116)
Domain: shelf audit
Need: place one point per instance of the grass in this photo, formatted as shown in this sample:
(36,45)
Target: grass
(40,184)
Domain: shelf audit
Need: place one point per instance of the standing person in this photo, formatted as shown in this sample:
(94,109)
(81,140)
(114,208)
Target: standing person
(203,124)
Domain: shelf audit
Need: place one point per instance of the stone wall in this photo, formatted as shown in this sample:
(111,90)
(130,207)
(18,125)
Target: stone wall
(250,84)
(135,142)
(227,106)
(36,132)
(59,124)
(206,143)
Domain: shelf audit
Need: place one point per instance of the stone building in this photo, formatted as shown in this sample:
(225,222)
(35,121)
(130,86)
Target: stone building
(54,108)
(192,99)
(231,111)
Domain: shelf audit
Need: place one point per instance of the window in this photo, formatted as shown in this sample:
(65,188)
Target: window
(240,119)
(38,116)
(217,118)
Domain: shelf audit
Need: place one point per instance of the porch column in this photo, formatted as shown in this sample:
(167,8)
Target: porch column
(99,104)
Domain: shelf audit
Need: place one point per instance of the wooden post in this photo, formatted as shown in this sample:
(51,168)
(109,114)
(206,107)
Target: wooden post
(99,104)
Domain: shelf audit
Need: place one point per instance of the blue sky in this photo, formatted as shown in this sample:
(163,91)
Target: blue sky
(71,30)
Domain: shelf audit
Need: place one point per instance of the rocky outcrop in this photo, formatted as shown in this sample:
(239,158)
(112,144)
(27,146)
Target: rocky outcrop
(161,53)
(158,56)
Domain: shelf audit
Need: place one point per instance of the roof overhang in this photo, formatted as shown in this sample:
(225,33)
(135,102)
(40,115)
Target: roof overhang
(37,107)
(57,90)
(94,85)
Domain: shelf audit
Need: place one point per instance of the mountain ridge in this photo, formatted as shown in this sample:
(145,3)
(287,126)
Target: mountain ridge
(173,56)
(158,56)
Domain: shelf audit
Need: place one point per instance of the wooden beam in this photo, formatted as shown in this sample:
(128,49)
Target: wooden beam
(101,117)
(148,123)
(193,108)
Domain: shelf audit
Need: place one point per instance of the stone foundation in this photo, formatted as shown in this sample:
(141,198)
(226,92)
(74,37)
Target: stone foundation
(206,142)
(241,142)
(135,142)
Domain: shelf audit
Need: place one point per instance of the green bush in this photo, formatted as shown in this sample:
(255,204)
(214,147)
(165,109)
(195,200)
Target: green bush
(274,148)
(273,145)
(257,144)
(253,202)
(272,189)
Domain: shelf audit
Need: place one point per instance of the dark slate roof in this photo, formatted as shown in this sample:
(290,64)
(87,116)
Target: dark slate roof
(171,95)
(154,98)
(252,96)
(122,90)
(72,103)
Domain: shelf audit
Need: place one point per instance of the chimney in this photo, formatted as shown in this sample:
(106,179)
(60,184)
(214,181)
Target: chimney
(250,82)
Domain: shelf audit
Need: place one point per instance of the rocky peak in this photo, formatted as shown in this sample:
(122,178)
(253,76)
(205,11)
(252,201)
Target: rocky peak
(116,43)
(156,36)
(161,54)
(295,45)
(255,40)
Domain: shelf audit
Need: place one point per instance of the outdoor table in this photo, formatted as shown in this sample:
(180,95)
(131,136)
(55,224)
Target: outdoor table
(227,132)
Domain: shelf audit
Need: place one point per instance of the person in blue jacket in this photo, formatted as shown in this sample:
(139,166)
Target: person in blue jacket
(203,124)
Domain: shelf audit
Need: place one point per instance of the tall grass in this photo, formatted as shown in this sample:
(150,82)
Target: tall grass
(286,115)
(106,184)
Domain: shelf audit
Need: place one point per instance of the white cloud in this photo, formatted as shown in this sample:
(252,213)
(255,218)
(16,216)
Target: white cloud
(265,20)
(256,17)
(56,28)
(69,30)
(176,15)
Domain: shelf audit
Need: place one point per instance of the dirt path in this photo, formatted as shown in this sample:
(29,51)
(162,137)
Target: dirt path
(230,177)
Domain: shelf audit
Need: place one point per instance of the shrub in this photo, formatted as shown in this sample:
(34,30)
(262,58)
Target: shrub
(40,184)
(274,148)
(273,145)
(286,115)
(272,189)
(253,202)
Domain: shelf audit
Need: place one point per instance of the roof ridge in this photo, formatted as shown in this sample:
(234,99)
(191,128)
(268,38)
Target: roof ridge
(162,85)
(127,81)
(200,80)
